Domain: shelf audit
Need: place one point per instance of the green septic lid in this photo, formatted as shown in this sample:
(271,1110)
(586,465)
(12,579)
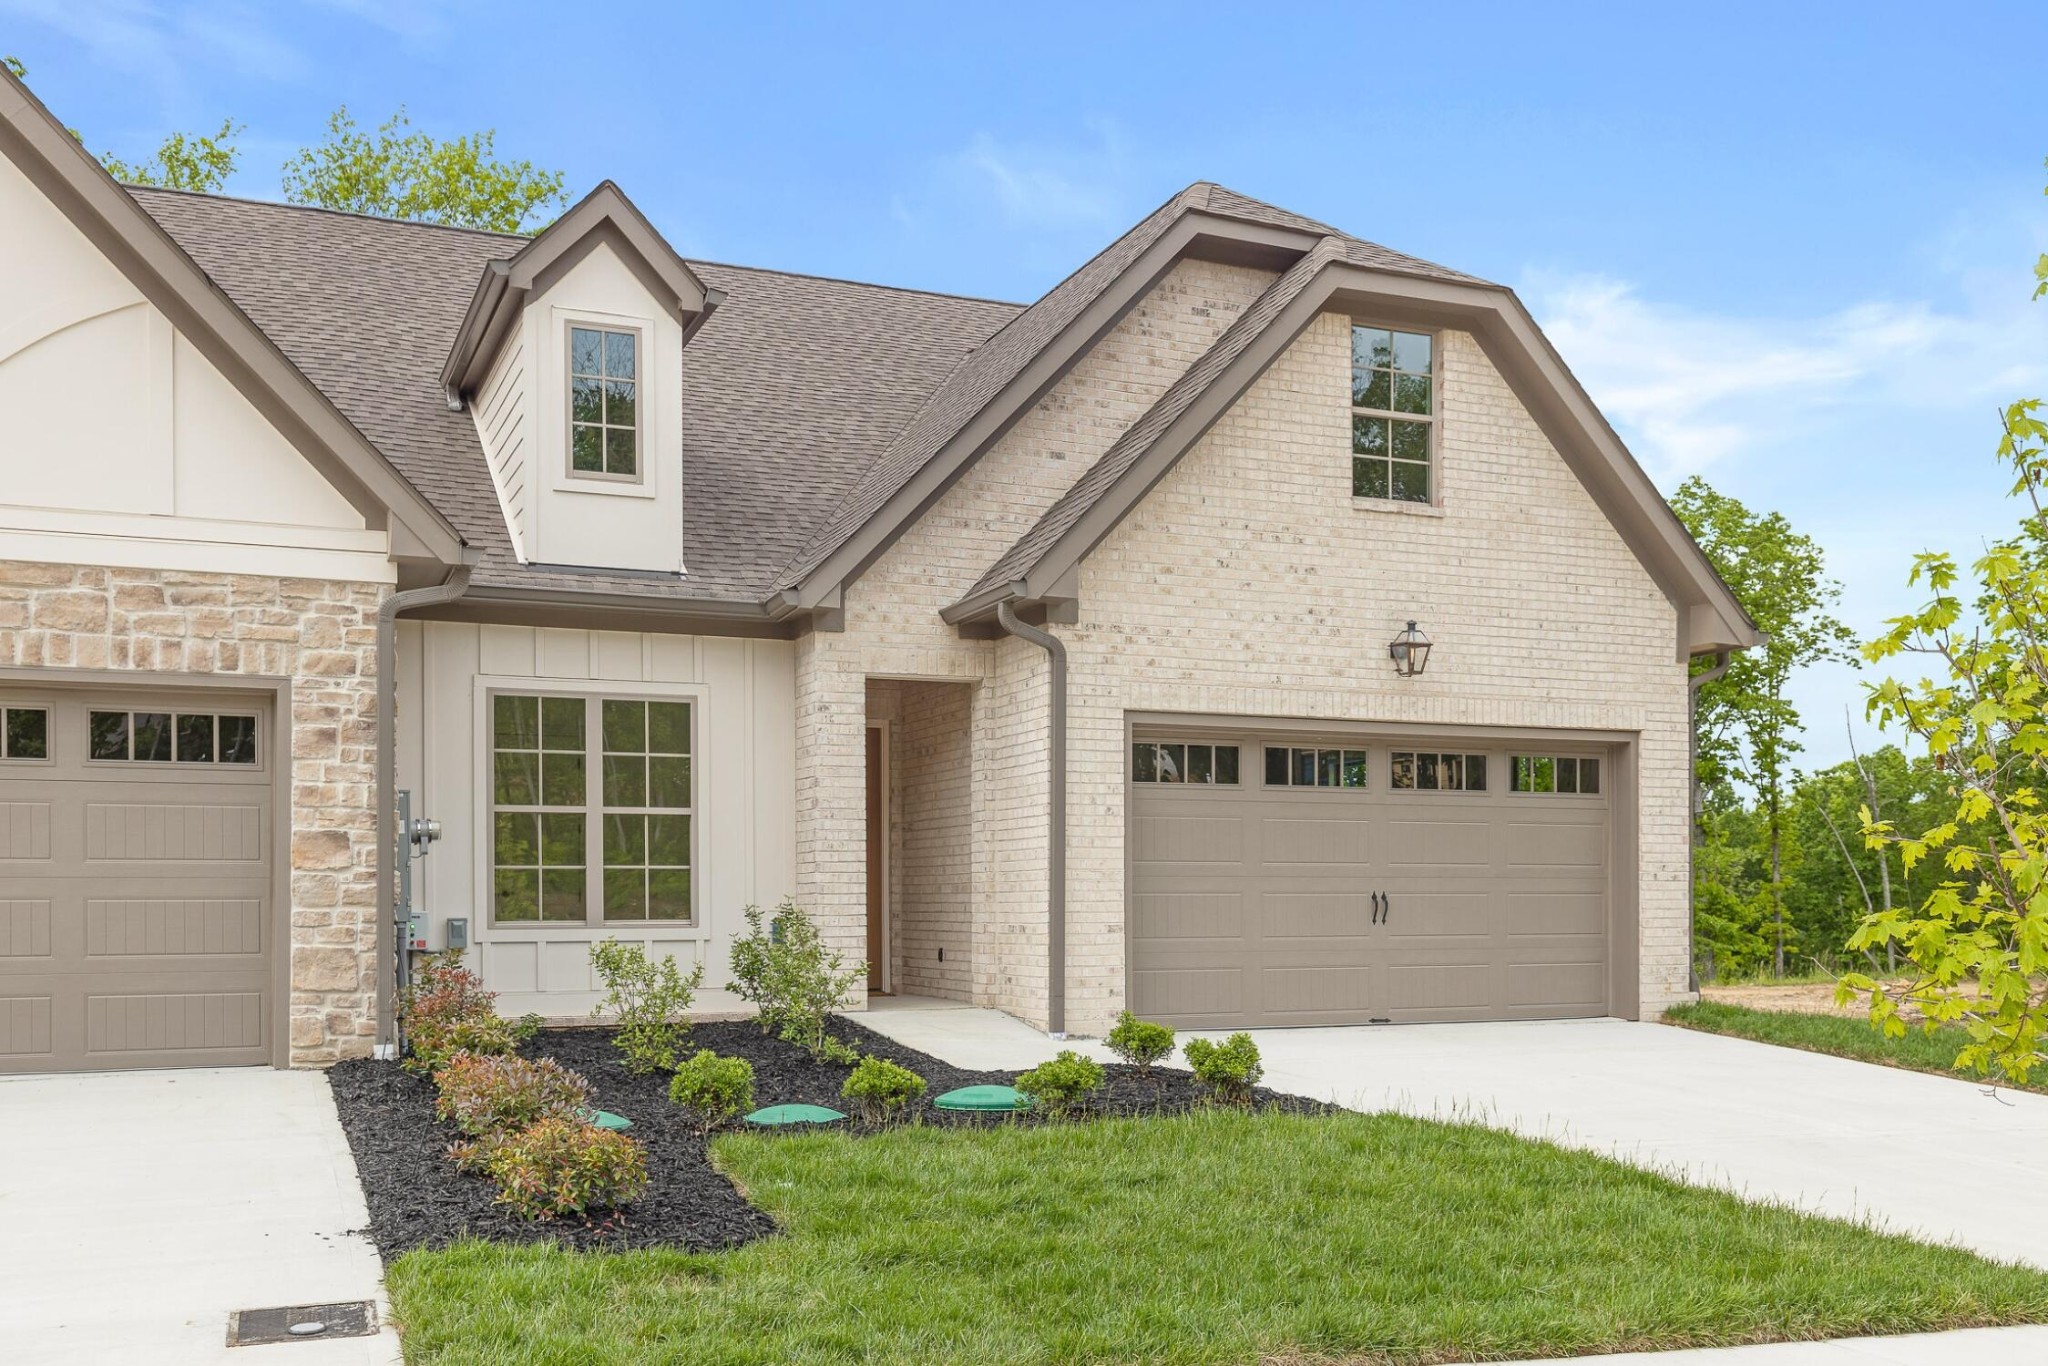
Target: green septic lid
(605,1119)
(984,1098)
(776,1115)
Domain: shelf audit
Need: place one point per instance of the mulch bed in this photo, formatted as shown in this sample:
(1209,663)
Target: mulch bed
(418,1198)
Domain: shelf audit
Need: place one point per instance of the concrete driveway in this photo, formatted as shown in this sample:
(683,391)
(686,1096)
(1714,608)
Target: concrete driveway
(138,1209)
(1941,1159)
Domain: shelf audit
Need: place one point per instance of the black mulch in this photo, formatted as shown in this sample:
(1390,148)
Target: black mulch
(418,1198)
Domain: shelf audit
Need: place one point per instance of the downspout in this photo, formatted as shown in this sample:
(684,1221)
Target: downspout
(1056,835)
(389,955)
(1692,787)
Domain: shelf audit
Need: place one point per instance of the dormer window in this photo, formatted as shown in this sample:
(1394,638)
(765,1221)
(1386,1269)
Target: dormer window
(604,410)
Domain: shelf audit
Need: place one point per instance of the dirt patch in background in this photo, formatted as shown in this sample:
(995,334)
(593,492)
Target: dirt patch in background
(1807,998)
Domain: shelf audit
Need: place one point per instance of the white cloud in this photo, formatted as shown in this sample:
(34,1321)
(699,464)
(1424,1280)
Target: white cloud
(1051,187)
(1691,389)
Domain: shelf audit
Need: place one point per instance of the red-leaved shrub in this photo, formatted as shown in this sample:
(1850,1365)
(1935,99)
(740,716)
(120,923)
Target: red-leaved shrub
(561,1165)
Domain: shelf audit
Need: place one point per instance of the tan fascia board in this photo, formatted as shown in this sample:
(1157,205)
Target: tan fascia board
(510,604)
(1708,615)
(606,216)
(174,284)
(1196,232)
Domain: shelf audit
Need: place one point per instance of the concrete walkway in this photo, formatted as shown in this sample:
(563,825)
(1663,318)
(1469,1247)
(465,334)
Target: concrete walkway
(1938,1158)
(138,1209)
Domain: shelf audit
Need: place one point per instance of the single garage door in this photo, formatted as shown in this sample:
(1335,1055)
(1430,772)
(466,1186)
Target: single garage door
(1322,880)
(136,902)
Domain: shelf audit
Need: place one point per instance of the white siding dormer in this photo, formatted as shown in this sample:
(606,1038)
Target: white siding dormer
(594,519)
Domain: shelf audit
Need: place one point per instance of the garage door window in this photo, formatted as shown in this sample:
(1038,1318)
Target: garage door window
(1182,763)
(1417,771)
(1301,766)
(167,737)
(1549,774)
(24,733)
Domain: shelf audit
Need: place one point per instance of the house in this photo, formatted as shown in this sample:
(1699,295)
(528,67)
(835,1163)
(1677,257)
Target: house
(1046,653)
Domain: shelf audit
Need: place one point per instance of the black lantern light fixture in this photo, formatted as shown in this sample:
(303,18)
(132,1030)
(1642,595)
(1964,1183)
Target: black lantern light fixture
(1410,650)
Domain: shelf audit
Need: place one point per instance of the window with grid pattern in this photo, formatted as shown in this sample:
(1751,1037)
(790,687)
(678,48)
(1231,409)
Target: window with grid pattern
(1393,411)
(604,406)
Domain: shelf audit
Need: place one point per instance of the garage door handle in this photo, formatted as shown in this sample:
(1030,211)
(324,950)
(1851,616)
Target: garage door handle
(1386,908)
(1375,908)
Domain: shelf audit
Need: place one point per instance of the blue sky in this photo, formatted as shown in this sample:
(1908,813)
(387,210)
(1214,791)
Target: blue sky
(1786,247)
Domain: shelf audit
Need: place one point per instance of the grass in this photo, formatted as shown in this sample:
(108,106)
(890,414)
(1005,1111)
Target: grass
(1208,1238)
(1840,1035)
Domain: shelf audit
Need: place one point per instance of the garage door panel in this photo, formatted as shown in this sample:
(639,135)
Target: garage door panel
(1189,993)
(1169,839)
(1418,845)
(1438,990)
(1561,912)
(1565,986)
(175,927)
(24,830)
(1314,915)
(160,831)
(1448,914)
(25,1027)
(1532,846)
(1169,916)
(1341,842)
(24,929)
(173,1022)
(1324,991)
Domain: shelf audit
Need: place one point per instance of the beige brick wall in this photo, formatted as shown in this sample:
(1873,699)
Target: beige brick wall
(1249,582)
(319,634)
(931,835)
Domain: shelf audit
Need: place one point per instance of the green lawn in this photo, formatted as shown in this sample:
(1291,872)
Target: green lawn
(1845,1038)
(1217,1237)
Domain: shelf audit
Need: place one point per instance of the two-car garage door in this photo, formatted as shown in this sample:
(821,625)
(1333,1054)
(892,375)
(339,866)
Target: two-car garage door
(1323,880)
(136,881)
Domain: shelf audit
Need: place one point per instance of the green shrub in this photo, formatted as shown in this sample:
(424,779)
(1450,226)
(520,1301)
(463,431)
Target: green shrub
(1140,1042)
(880,1088)
(719,1090)
(561,1165)
(446,1011)
(650,998)
(1062,1084)
(784,968)
(488,1096)
(1229,1070)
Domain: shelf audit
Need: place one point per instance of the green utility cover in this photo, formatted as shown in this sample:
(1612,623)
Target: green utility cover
(776,1115)
(984,1098)
(605,1119)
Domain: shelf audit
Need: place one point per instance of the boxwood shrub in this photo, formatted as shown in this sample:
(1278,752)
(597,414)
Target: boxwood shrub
(1063,1083)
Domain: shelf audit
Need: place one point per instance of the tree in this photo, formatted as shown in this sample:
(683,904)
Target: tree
(20,70)
(396,173)
(1748,729)
(201,163)
(1978,944)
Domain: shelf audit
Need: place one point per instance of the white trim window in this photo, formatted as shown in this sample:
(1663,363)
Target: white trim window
(604,402)
(1393,414)
(576,842)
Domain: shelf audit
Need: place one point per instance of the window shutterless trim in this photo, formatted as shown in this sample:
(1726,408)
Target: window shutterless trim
(638,331)
(1431,464)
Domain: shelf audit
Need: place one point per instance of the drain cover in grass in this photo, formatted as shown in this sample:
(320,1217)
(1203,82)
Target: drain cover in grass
(984,1098)
(777,1115)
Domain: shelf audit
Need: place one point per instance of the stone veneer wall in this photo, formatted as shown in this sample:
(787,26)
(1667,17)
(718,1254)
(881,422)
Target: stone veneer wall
(321,635)
(1248,582)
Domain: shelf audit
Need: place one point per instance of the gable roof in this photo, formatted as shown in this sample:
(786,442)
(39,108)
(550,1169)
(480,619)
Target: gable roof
(604,215)
(1000,381)
(1040,566)
(61,168)
(792,388)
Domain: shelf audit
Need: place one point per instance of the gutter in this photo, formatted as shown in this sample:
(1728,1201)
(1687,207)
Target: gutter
(1692,786)
(391,960)
(1056,834)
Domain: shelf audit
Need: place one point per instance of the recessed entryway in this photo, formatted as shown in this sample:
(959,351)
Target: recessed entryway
(139,896)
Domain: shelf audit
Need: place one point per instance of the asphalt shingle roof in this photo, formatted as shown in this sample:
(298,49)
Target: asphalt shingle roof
(808,403)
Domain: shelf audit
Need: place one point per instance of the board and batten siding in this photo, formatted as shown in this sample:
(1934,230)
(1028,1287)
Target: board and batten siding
(744,774)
